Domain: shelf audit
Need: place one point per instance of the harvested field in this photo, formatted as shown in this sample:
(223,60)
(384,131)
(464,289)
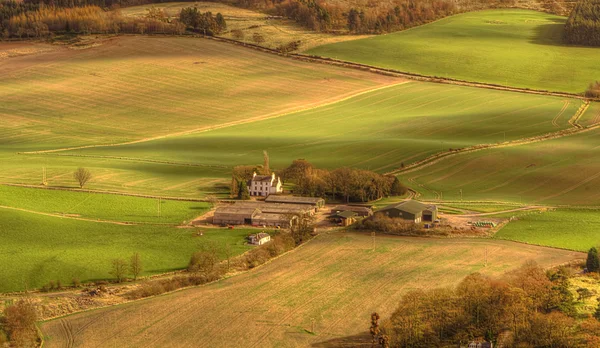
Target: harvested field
(336,281)
(525,50)
(97,95)
(563,171)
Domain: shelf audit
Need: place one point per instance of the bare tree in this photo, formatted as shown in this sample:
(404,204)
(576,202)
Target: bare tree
(228,253)
(204,261)
(135,265)
(119,269)
(266,167)
(82,176)
(19,322)
(237,34)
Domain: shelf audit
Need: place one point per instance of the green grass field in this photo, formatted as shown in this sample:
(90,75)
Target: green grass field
(35,249)
(379,130)
(568,229)
(562,171)
(101,206)
(509,47)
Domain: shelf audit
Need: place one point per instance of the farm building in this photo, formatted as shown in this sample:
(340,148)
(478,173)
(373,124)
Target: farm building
(277,208)
(315,202)
(273,220)
(232,215)
(344,218)
(259,238)
(264,185)
(359,210)
(411,210)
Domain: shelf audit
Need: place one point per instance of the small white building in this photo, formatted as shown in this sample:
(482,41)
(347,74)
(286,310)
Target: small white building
(264,185)
(259,238)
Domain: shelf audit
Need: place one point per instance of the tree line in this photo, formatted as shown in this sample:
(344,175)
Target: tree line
(583,25)
(32,22)
(347,184)
(527,307)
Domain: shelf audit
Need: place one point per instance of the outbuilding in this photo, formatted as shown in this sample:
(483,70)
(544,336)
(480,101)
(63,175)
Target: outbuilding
(410,210)
(259,238)
(358,209)
(344,218)
(232,215)
(315,202)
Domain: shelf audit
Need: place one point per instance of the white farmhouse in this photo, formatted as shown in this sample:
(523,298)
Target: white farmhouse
(264,185)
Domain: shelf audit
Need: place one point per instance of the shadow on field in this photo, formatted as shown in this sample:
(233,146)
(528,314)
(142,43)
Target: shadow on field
(362,340)
(549,34)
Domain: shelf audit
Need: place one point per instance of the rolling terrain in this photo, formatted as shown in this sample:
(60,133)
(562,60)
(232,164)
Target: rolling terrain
(335,281)
(139,88)
(381,130)
(518,48)
(561,171)
(37,248)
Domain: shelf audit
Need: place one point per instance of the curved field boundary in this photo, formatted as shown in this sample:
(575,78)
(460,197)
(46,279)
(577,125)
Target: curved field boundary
(70,217)
(439,156)
(168,198)
(342,98)
(398,73)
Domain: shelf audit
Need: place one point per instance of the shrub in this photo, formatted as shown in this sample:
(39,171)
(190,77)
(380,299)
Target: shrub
(386,224)
(593,90)
(76,283)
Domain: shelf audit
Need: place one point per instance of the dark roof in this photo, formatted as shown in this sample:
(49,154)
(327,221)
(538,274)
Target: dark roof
(262,178)
(293,199)
(233,210)
(409,206)
(268,217)
(279,208)
(345,214)
(355,208)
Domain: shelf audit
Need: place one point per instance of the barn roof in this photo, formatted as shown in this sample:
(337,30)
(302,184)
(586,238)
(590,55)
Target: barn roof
(293,199)
(354,208)
(409,206)
(280,208)
(345,214)
(232,210)
(271,218)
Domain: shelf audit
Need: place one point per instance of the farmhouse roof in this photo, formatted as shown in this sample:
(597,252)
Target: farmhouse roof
(345,214)
(262,178)
(293,199)
(409,206)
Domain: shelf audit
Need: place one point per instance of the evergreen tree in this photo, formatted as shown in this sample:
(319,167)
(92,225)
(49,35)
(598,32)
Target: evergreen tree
(593,262)
(243,191)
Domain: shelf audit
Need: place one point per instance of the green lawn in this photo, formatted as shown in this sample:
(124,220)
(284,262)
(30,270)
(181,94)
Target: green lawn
(510,47)
(35,249)
(378,130)
(563,171)
(569,229)
(101,206)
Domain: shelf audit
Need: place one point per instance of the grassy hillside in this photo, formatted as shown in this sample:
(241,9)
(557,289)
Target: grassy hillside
(336,280)
(562,171)
(35,249)
(101,206)
(569,229)
(509,47)
(132,88)
(378,130)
